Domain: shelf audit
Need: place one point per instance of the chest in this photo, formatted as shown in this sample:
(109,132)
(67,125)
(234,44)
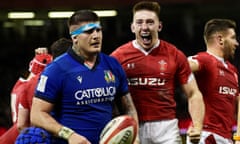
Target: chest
(218,78)
(89,79)
(151,65)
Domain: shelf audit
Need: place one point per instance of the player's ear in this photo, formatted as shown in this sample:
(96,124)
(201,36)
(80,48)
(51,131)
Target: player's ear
(160,26)
(132,28)
(220,39)
(74,39)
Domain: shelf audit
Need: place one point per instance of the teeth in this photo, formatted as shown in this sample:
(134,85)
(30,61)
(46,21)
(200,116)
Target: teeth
(145,40)
(144,34)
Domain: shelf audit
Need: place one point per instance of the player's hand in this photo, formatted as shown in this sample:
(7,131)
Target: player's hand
(137,141)
(41,50)
(194,134)
(237,142)
(77,139)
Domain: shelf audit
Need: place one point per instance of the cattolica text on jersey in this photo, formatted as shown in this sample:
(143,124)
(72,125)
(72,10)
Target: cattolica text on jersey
(95,93)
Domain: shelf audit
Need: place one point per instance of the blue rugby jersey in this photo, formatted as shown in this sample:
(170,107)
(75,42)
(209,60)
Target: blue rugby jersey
(82,97)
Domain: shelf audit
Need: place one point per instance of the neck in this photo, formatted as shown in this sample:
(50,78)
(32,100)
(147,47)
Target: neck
(86,56)
(89,59)
(215,52)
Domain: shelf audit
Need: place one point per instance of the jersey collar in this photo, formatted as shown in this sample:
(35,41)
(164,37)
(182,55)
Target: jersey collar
(218,58)
(137,46)
(80,59)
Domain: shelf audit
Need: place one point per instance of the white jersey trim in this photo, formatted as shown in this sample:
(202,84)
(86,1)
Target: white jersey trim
(219,58)
(137,46)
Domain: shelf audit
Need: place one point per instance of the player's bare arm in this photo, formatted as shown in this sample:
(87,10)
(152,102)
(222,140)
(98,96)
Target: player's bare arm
(129,108)
(196,109)
(23,118)
(40,117)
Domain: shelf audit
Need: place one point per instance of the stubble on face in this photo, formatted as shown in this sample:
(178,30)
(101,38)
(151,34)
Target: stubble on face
(230,45)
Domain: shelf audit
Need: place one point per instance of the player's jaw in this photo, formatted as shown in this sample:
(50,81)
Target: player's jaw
(229,50)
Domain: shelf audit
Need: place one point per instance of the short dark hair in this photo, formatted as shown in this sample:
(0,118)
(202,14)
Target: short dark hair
(147,5)
(83,16)
(217,25)
(60,46)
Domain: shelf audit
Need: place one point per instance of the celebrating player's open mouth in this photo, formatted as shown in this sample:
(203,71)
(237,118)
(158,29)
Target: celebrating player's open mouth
(146,38)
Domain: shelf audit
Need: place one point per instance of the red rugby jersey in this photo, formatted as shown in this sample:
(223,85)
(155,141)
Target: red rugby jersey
(10,135)
(25,100)
(16,91)
(152,77)
(218,82)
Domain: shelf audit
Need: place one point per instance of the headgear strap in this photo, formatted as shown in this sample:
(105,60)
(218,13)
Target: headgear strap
(85,28)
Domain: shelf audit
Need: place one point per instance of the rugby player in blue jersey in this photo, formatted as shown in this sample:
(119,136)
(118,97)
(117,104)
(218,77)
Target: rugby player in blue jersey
(75,94)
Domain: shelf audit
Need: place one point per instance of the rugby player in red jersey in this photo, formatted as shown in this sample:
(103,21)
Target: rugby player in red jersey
(36,66)
(217,79)
(154,67)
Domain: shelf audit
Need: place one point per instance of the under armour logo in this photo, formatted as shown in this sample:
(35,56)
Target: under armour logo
(131,65)
(221,72)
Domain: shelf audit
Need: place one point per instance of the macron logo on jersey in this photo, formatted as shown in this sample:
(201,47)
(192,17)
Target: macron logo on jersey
(79,78)
(42,83)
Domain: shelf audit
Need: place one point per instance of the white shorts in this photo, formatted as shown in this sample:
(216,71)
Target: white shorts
(160,132)
(215,137)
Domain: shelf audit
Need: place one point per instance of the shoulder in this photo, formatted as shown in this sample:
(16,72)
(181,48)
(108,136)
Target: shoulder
(170,48)
(233,67)
(110,62)
(122,49)
(107,58)
(204,57)
(204,60)
(61,58)
(168,45)
(58,62)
